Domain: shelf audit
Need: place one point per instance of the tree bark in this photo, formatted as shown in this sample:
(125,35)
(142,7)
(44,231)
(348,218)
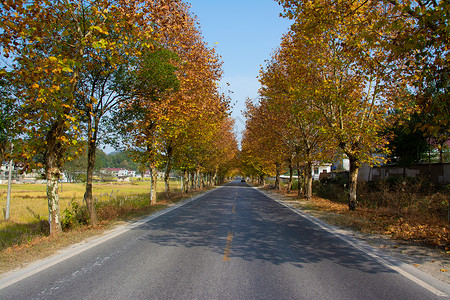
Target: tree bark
(153,183)
(52,159)
(8,193)
(182,183)
(192,180)
(202,180)
(215,176)
(53,175)
(299,179)
(277,177)
(309,181)
(167,171)
(186,181)
(291,174)
(354,169)
(197,179)
(92,147)
(3,146)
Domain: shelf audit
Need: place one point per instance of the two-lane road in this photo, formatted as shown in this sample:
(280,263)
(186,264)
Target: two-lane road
(232,243)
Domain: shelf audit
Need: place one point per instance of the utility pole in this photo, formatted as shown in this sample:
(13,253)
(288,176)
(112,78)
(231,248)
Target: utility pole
(8,197)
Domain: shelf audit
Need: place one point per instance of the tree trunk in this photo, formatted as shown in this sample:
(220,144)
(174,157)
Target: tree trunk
(52,159)
(291,174)
(299,180)
(92,147)
(192,179)
(153,183)
(203,180)
(277,177)
(354,168)
(215,176)
(309,181)
(304,180)
(181,183)
(3,146)
(186,181)
(167,171)
(8,193)
(197,179)
(142,171)
(53,175)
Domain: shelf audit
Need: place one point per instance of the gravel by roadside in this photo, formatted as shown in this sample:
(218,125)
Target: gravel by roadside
(429,260)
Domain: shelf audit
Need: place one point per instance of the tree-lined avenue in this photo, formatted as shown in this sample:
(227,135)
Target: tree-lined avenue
(232,243)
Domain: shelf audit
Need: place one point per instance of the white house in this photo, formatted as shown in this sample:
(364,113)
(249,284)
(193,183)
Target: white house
(318,169)
(122,173)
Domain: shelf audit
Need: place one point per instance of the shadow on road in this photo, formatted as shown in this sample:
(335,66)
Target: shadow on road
(262,230)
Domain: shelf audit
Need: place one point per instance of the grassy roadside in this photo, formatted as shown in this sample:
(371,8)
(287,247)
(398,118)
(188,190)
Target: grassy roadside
(25,241)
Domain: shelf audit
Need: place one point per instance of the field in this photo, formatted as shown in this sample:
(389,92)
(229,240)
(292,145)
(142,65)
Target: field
(115,201)
(29,201)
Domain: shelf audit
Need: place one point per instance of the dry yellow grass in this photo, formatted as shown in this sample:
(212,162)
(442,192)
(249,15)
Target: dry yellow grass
(29,201)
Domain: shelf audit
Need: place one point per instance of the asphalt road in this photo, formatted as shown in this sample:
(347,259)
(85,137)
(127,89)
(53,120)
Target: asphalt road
(232,243)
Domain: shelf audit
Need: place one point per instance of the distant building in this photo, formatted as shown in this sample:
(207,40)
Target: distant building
(122,173)
(118,172)
(110,172)
(319,169)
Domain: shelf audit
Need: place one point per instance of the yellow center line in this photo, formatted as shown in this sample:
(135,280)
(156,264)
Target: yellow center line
(234,206)
(227,252)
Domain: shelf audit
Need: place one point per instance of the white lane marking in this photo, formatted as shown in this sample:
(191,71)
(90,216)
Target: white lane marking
(18,275)
(367,250)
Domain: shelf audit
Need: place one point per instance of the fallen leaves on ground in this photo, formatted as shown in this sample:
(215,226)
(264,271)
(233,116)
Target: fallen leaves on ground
(401,225)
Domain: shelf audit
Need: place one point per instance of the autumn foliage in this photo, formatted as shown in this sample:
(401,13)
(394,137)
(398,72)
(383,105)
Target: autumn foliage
(79,67)
(332,87)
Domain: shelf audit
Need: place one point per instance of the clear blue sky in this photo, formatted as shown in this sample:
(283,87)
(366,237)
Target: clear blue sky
(246,33)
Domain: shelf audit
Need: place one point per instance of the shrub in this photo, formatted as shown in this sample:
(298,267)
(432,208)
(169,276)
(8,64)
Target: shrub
(294,186)
(331,189)
(74,216)
(411,195)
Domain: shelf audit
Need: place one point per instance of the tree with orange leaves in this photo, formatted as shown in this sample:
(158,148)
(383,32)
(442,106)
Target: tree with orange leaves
(348,75)
(197,100)
(287,97)
(264,151)
(174,126)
